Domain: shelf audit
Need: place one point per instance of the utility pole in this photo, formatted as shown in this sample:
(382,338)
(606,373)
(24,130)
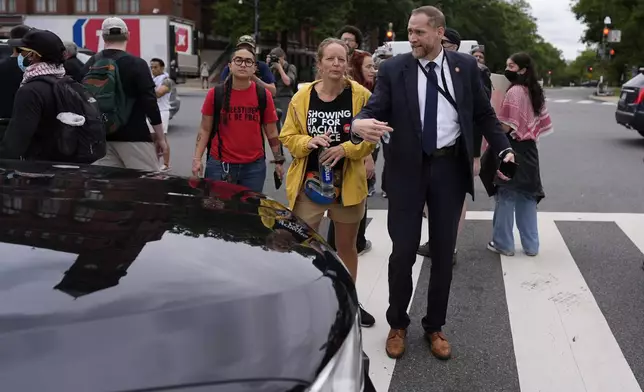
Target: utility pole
(256,23)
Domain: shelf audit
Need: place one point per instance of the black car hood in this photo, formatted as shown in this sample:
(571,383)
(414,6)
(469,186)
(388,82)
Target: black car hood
(114,279)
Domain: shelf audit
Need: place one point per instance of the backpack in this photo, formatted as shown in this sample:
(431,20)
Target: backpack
(103,81)
(219,101)
(77,143)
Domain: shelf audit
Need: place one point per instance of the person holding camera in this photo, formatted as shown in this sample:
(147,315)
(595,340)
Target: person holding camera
(285,76)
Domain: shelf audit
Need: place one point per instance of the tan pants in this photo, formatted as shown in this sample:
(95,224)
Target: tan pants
(131,155)
(312,213)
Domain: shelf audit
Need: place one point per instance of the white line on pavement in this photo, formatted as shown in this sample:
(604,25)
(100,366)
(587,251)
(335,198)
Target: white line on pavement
(373,292)
(562,100)
(610,103)
(586,102)
(549,304)
(562,341)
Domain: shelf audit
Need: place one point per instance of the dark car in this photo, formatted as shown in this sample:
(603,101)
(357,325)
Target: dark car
(630,107)
(119,280)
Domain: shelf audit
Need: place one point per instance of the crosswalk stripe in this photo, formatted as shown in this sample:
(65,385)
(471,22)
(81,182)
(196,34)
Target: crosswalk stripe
(610,103)
(562,100)
(555,321)
(586,102)
(373,292)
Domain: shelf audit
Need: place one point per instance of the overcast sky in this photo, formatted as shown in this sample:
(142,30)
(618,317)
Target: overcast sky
(557,25)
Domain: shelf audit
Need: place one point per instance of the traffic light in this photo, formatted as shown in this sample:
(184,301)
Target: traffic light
(390,32)
(549,72)
(612,52)
(606,31)
(590,69)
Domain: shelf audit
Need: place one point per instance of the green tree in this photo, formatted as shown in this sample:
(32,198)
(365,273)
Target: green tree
(627,16)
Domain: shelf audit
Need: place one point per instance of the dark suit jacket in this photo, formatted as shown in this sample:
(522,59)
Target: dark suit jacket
(395,100)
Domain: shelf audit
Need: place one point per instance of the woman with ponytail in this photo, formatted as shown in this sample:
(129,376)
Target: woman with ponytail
(525,118)
(236,142)
(317,132)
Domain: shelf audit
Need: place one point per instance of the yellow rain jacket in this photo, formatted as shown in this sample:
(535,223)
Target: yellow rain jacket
(295,137)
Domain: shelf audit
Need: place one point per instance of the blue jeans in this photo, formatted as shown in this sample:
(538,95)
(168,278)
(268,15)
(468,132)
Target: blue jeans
(251,175)
(508,203)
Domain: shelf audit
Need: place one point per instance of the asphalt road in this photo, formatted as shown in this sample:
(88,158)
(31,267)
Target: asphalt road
(569,319)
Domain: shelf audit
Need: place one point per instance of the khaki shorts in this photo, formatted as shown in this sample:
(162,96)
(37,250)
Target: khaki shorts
(131,155)
(312,213)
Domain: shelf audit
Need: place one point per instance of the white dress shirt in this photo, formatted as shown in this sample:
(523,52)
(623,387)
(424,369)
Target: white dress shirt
(449,128)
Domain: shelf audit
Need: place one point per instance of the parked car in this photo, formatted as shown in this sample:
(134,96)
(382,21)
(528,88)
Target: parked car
(120,280)
(175,102)
(630,107)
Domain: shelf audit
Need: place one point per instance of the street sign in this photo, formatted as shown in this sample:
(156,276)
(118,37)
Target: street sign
(615,36)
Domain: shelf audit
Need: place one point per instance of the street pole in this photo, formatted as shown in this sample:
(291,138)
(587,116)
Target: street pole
(257,26)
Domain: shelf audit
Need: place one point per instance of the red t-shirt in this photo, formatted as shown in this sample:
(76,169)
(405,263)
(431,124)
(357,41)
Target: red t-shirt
(242,141)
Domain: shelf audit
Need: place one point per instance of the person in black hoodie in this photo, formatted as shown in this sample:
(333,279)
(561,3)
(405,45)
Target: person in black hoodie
(29,135)
(11,70)
(73,66)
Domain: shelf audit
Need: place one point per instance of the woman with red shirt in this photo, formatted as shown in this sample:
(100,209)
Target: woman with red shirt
(237,149)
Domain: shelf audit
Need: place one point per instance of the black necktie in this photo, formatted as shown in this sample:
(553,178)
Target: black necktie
(430,122)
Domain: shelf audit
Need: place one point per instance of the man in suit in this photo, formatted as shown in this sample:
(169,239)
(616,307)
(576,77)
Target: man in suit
(429,116)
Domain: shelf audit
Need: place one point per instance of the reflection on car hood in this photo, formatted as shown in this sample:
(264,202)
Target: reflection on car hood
(114,279)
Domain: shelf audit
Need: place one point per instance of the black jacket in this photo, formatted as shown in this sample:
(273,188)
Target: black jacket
(10,79)
(29,134)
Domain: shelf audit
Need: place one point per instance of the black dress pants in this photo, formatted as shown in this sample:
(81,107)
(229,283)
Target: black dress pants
(443,187)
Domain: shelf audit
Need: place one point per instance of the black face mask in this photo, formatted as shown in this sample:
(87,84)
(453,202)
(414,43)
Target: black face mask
(512,76)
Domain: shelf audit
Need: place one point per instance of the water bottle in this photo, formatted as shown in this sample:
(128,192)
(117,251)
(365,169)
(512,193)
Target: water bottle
(326,176)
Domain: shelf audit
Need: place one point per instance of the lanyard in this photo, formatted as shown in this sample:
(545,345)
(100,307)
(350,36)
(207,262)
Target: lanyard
(444,93)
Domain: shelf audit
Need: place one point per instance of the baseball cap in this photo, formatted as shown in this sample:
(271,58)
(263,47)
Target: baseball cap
(45,44)
(19,31)
(114,26)
(246,40)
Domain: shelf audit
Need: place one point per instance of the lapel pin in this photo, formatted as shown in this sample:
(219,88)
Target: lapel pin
(457,69)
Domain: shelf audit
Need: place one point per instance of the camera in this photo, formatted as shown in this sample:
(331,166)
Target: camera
(273,59)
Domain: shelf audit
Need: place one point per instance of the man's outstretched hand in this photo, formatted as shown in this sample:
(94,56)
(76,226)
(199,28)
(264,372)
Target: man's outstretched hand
(370,130)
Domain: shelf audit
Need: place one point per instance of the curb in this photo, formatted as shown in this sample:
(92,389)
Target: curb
(603,99)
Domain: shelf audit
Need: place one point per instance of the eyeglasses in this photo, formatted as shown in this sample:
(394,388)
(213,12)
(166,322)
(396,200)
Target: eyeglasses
(238,61)
(449,45)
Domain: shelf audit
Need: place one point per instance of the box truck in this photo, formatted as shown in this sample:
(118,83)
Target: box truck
(151,36)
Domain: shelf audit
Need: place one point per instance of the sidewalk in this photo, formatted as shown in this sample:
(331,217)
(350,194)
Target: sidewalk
(191,87)
(611,99)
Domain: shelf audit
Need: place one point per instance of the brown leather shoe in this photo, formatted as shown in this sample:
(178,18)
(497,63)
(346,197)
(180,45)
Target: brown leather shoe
(440,346)
(396,343)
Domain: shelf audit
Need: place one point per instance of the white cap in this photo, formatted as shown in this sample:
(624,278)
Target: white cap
(111,24)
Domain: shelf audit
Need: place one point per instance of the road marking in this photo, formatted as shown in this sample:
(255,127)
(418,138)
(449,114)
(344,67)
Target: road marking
(610,103)
(549,304)
(562,341)
(586,102)
(373,292)
(561,100)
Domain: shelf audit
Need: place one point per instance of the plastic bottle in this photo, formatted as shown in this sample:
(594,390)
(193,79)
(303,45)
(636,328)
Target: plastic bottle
(326,176)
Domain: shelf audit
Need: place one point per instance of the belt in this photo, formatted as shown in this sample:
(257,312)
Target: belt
(449,151)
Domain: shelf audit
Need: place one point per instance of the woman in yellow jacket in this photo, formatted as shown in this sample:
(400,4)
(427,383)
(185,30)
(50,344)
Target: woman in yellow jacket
(328,172)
